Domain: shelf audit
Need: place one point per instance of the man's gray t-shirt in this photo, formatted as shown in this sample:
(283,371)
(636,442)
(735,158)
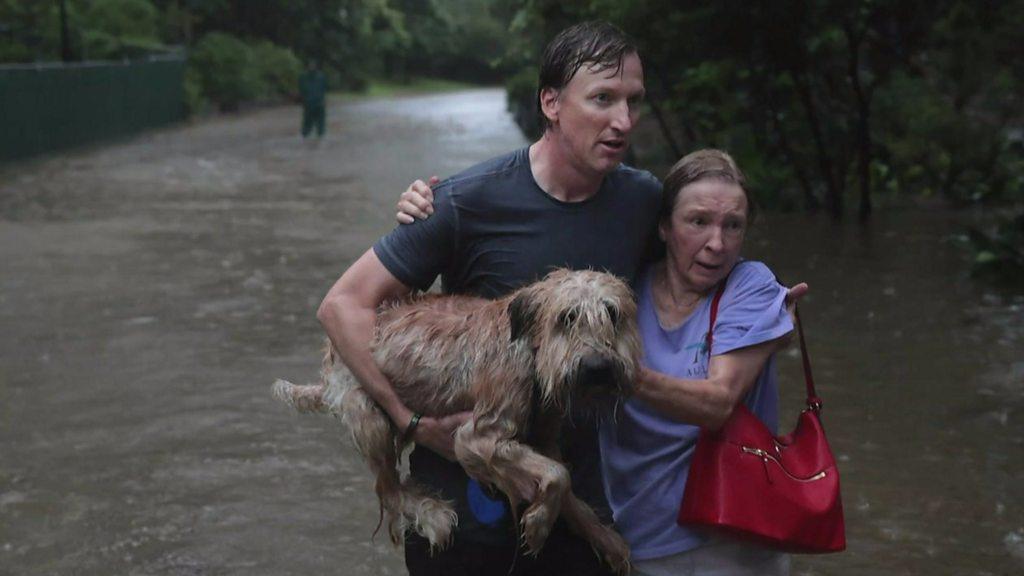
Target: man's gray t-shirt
(494,230)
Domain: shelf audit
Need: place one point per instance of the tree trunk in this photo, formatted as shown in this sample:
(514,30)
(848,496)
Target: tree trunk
(811,203)
(666,132)
(863,135)
(833,189)
(66,54)
(691,134)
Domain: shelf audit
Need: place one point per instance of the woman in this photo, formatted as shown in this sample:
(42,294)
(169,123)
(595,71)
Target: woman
(646,452)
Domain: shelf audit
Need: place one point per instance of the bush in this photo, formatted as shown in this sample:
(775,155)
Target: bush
(353,78)
(119,28)
(278,69)
(227,72)
(521,92)
(1000,254)
(195,103)
(225,69)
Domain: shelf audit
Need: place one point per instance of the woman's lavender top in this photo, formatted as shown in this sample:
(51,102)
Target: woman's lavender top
(646,455)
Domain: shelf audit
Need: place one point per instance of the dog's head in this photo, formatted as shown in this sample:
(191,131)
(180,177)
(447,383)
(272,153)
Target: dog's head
(581,326)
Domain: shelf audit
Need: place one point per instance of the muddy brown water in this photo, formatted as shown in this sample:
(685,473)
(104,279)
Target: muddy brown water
(151,291)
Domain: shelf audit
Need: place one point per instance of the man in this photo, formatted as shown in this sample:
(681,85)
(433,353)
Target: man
(495,227)
(313,90)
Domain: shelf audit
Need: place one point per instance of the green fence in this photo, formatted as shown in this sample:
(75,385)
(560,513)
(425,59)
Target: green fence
(46,107)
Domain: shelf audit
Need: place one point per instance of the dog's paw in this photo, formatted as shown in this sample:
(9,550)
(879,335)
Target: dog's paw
(620,565)
(611,548)
(616,555)
(435,520)
(536,524)
(303,399)
(282,389)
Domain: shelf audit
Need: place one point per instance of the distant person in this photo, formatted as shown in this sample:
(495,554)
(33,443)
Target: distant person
(313,90)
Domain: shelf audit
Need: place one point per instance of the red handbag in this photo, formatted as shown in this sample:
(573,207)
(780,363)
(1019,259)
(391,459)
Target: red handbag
(782,492)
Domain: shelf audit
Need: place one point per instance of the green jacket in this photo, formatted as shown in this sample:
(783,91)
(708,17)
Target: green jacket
(313,88)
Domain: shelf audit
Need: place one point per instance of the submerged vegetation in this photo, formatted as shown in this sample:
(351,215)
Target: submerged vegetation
(999,254)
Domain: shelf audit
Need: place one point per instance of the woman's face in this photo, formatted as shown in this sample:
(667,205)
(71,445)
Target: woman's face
(705,232)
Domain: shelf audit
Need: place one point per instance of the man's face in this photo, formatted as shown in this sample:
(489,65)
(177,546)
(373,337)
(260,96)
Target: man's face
(593,115)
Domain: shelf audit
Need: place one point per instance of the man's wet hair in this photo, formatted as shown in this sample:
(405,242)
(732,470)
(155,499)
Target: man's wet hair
(595,44)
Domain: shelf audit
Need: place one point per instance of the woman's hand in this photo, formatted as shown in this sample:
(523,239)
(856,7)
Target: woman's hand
(794,294)
(417,202)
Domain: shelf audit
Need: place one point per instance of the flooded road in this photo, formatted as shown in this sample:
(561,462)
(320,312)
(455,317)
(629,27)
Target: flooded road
(151,291)
(922,374)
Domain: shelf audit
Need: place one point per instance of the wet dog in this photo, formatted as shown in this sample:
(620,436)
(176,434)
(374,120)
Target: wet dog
(518,363)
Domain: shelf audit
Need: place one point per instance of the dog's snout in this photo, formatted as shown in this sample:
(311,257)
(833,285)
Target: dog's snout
(595,363)
(597,370)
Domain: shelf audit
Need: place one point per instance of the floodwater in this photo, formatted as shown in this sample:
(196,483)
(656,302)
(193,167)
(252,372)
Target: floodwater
(152,290)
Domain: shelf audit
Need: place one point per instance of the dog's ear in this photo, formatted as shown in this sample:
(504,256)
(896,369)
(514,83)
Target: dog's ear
(521,314)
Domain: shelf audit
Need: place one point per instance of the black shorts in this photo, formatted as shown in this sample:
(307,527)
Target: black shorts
(564,554)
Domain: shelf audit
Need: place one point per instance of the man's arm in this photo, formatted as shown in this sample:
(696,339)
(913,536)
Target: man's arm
(708,403)
(348,314)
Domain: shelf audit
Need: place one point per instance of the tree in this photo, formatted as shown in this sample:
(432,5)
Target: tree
(818,98)
(118,28)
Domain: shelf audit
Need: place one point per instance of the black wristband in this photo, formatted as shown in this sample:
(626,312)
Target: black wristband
(411,428)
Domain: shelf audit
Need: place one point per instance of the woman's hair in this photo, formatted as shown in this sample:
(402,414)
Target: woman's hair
(706,164)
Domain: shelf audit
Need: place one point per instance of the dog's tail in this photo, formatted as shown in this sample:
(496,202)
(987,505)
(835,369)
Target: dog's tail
(305,399)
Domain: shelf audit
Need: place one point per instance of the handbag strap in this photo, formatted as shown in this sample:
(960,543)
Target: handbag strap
(813,400)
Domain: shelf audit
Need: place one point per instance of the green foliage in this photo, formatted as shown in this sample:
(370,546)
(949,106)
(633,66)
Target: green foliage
(98,29)
(31,31)
(354,40)
(225,70)
(935,150)
(117,28)
(824,99)
(1000,254)
(521,91)
(121,18)
(277,68)
(391,88)
(469,40)
(195,102)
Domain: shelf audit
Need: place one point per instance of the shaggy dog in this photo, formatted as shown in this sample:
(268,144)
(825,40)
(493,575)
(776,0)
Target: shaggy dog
(517,363)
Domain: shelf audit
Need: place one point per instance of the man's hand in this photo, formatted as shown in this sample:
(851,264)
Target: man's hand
(417,201)
(438,434)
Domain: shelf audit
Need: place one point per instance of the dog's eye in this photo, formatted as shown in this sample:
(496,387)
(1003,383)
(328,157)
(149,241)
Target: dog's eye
(613,313)
(568,317)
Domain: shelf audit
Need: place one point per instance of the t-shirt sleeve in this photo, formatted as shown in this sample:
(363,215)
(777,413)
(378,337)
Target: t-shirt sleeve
(752,309)
(417,253)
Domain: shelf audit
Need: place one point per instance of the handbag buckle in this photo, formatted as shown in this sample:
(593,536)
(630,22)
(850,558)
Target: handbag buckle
(766,457)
